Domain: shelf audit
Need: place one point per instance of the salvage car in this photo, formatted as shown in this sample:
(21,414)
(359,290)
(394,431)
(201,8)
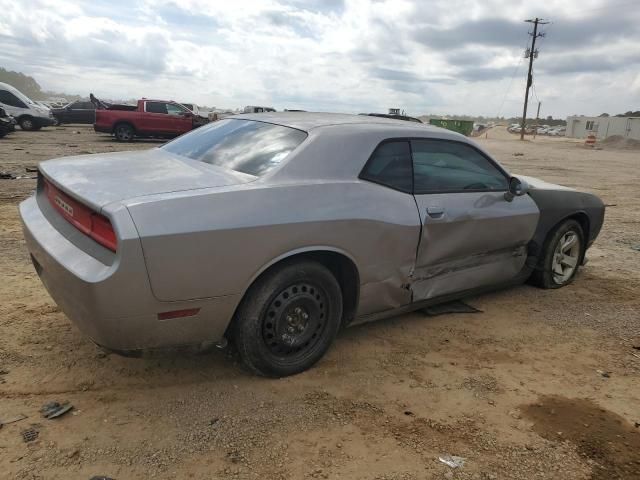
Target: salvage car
(80,111)
(7,123)
(28,113)
(148,118)
(275,230)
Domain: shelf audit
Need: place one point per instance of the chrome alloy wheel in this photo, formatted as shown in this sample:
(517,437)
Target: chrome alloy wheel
(566,257)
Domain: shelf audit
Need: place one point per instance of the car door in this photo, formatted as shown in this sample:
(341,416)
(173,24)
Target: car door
(83,112)
(472,236)
(157,118)
(182,118)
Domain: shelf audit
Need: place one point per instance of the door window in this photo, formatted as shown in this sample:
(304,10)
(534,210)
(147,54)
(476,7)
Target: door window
(173,109)
(390,165)
(442,166)
(156,107)
(10,99)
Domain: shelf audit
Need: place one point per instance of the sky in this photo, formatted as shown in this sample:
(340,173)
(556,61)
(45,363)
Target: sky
(422,56)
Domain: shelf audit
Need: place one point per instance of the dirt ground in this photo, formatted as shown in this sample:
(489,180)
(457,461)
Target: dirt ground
(541,384)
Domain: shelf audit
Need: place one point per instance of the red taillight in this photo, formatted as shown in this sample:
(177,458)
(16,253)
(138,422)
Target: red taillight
(82,217)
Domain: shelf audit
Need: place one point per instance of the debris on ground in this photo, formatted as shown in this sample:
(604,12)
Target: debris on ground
(30,434)
(604,374)
(13,419)
(54,409)
(635,247)
(518,154)
(453,461)
(31,169)
(456,306)
(6,176)
(100,477)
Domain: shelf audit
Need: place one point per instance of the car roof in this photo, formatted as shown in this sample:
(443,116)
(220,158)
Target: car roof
(311,120)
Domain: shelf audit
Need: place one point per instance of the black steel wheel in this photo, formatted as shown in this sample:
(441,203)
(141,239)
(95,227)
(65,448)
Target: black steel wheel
(288,319)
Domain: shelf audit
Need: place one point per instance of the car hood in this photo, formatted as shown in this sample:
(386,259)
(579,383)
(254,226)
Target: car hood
(98,180)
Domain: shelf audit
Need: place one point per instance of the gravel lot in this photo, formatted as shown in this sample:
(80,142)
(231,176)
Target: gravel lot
(542,384)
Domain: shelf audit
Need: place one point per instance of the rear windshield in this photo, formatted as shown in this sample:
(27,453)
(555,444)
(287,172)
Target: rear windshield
(242,145)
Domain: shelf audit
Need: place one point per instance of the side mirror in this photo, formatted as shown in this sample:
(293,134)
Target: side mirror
(517,188)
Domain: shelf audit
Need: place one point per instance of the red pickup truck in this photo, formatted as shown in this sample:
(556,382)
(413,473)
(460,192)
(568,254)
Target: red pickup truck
(150,118)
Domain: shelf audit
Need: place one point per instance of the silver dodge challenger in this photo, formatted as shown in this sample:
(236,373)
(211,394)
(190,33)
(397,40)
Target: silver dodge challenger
(276,230)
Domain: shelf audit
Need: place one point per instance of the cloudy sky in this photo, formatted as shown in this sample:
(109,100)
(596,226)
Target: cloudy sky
(424,56)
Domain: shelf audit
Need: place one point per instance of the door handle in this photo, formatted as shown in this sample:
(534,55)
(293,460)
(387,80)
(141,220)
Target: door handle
(435,211)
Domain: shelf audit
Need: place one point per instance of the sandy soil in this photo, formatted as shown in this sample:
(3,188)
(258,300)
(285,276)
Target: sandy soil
(542,384)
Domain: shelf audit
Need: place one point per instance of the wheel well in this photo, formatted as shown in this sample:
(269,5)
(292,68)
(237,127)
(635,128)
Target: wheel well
(123,123)
(342,268)
(583,220)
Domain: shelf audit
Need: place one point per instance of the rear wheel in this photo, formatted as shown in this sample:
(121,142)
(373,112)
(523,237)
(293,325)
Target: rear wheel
(562,254)
(124,132)
(288,319)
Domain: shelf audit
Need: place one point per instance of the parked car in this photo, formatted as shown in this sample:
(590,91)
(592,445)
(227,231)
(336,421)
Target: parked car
(80,111)
(276,230)
(254,109)
(7,123)
(200,117)
(149,118)
(29,114)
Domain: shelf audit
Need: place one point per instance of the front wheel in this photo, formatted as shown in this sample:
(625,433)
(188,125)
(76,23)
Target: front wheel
(288,319)
(562,254)
(27,123)
(124,132)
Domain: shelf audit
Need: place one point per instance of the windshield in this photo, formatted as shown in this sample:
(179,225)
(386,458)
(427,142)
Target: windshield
(242,145)
(22,96)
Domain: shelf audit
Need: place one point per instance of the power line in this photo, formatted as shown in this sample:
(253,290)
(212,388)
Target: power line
(513,75)
(531,54)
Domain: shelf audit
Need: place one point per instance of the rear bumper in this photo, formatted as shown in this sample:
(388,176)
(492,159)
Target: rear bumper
(113,304)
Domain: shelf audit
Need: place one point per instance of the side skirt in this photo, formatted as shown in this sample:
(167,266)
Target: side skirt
(521,278)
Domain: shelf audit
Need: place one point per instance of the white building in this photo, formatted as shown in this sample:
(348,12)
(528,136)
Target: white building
(603,127)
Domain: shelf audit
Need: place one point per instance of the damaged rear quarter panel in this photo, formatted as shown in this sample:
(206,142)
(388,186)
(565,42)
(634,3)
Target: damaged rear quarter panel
(215,242)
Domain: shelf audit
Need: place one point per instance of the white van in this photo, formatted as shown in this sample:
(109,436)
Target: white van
(29,114)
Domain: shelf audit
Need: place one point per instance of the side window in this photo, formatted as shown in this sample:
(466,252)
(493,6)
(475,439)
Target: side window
(390,165)
(9,98)
(442,166)
(173,109)
(156,107)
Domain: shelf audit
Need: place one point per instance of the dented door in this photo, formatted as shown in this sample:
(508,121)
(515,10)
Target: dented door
(471,238)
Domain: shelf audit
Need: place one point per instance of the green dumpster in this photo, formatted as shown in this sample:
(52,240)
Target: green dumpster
(465,127)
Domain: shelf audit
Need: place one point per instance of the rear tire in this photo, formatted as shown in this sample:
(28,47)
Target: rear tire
(124,132)
(288,319)
(562,253)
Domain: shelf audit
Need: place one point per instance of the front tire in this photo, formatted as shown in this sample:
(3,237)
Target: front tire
(27,123)
(288,319)
(124,132)
(562,254)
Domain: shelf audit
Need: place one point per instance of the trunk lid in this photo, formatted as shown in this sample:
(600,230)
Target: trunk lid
(97,180)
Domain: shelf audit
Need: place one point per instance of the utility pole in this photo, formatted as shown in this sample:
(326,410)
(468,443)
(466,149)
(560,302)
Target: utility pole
(535,131)
(530,54)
